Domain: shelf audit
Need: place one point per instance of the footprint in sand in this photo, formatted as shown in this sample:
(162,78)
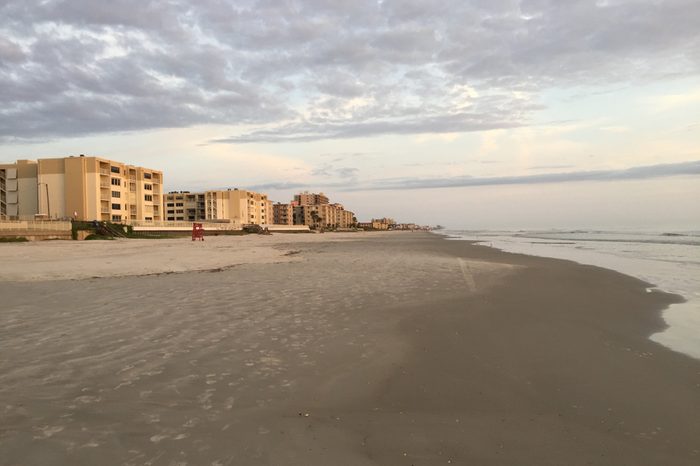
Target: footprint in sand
(47,431)
(158,438)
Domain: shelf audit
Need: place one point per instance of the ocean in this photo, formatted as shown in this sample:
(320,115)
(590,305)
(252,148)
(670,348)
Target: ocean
(668,260)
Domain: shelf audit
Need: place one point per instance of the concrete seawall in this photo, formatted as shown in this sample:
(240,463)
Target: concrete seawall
(35,230)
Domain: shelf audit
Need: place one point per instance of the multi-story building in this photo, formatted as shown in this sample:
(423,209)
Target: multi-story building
(315,210)
(84,188)
(235,205)
(185,206)
(238,205)
(19,190)
(307,198)
(3,195)
(343,218)
(322,215)
(305,215)
(383,223)
(283,214)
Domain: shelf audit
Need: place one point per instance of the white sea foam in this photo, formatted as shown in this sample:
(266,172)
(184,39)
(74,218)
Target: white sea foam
(670,261)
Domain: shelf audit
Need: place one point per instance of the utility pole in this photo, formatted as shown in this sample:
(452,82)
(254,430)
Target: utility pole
(48,202)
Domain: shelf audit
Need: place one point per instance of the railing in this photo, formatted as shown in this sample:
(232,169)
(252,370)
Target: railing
(104,171)
(35,225)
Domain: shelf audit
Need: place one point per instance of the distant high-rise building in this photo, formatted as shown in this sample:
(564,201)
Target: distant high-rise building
(307,198)
(185,206)
(239,205)
(235,205)
(282,214)
(322,215)
(383,223)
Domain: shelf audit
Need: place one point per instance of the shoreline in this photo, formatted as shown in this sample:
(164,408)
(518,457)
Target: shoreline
(397,348)
(681,318)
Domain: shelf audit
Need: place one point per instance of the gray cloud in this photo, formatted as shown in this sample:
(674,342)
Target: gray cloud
(282,185)
(634,173)
(349,128)
(313,69)
(550,167)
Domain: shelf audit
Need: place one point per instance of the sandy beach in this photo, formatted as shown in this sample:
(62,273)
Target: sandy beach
(333,349)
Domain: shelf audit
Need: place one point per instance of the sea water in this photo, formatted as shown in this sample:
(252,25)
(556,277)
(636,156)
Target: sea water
(668,260)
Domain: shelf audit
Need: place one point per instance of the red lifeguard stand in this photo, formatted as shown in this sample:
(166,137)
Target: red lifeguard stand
(197,232)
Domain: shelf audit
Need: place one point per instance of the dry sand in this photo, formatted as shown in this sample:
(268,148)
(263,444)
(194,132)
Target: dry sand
(368,349)
(70,260)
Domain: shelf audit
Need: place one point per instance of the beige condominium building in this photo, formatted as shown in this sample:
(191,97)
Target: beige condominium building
(238,205)
(323,215)
(283,214)
(383,223)
(18,190)
(185,206)
(235,205)
(344,218)
(84,188)
(307,198)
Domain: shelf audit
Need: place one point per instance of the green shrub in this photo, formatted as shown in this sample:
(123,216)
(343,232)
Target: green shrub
(97,237)
(13,239)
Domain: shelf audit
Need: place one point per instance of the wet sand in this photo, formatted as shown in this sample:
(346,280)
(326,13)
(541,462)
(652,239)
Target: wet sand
(373,349)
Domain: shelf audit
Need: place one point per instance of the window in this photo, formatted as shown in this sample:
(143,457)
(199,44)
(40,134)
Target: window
(148,197)
(116,182)
(148,187)
(116,218)
(171,211)
(178,204)
(179,211)
(147,176)
(171,218)
(149,219)
(114,169)
(116,207)
(116,194)
(170,204)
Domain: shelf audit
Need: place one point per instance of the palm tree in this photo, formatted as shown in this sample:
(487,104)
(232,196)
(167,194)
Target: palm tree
(315,218)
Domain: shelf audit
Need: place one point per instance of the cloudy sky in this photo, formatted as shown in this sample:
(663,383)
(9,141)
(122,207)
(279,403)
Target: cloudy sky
(470,113)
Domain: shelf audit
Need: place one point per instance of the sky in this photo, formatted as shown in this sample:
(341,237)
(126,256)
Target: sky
(475,114)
